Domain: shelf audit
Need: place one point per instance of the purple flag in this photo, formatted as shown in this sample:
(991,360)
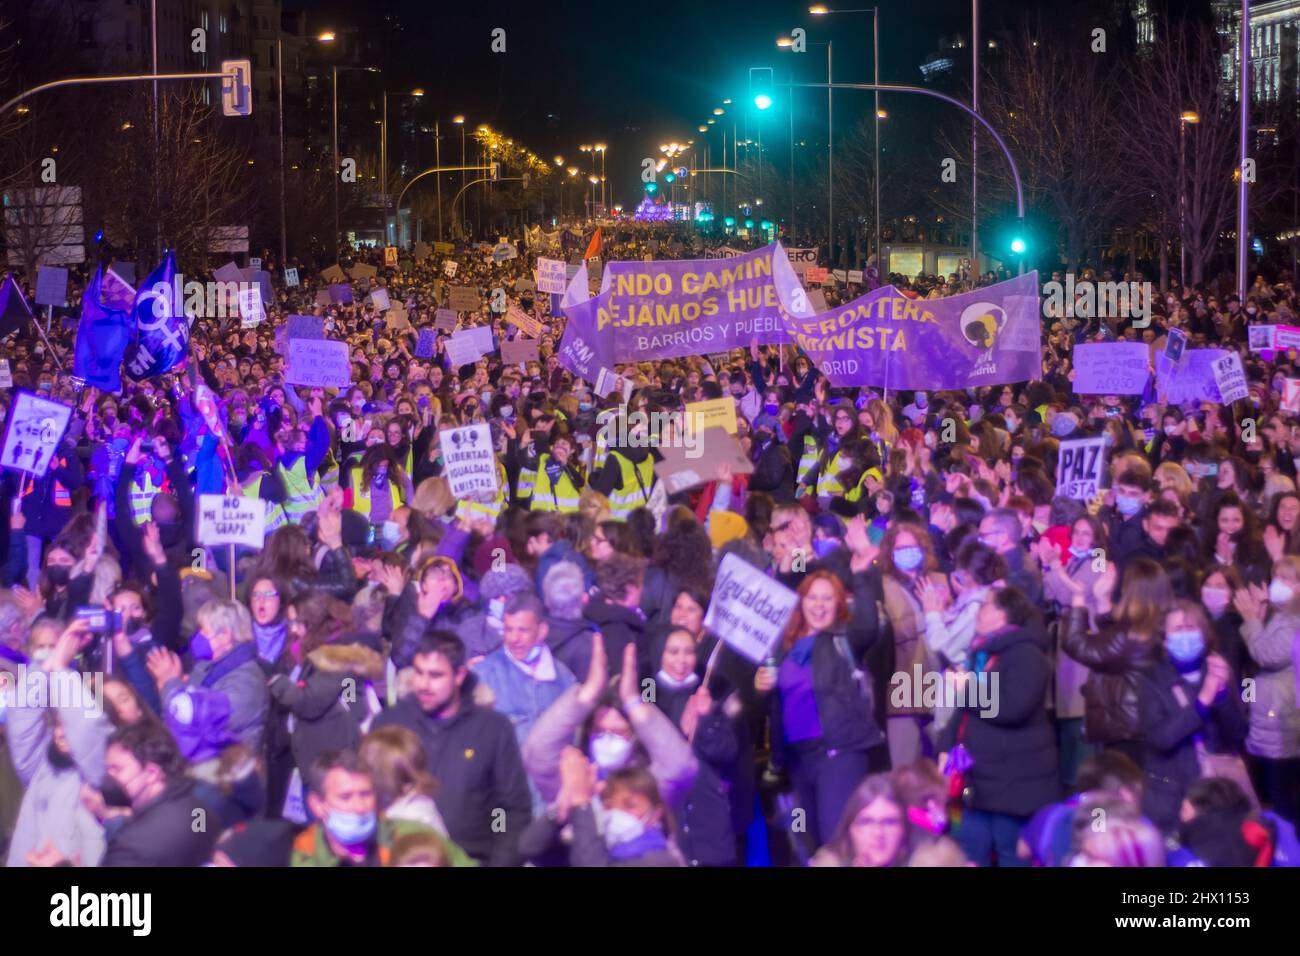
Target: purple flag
(885,339)
(585,349)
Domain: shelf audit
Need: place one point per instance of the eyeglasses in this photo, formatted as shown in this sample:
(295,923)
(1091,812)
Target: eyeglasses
(266,594)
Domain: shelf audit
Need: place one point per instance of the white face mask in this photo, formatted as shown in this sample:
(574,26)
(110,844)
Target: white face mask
(610,751)
(621,826)
(1280,593)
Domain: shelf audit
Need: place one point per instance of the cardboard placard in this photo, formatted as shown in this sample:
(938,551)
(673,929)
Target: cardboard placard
(514,351)
(524,322)
(469,345)
(323,297)
(445,320)
(450,267)
(684,468)
(426,343)
(250,307)
(1230,377)
(341,294)
(552,276)
(464,298)
(444,248)
(718,412)
(362,270)
(7,375)
(390,255)
(815,275)
(1111,368)
(318,362)
(379,299)
(333,274)
(397,319)
(230,519)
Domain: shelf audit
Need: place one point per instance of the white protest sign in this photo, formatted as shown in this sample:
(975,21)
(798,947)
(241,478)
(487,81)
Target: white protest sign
(449,268)
(250,307)
(6,376)
(254,262)
(1081,465)
(1290,393)
(607,381)
(231,519)
(51,286)
(748,609)
(322,362)
(552,276)
(1260,337)
(801,259)
(35,428)
(1230,377)
(469,345)
(469,463)
(379,299)
(291,278)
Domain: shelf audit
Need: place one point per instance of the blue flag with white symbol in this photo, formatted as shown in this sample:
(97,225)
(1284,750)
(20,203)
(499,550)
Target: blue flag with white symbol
(162,331)
(102,337)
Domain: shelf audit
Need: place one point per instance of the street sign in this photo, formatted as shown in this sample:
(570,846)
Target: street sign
(237,90)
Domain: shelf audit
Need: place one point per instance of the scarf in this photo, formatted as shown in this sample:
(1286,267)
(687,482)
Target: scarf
(269,639)
(649,841)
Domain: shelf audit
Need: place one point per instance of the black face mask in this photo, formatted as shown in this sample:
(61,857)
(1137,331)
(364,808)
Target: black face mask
(112,792)
(169,533)
(58,759)
(58,574)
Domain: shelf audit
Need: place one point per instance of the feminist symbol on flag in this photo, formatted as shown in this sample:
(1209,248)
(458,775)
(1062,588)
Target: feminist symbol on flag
(162,317)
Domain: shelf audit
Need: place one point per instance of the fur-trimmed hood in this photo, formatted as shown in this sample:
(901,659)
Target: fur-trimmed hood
(347,659)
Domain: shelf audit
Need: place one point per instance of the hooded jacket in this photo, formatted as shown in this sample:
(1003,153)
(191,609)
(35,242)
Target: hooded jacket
(328,703)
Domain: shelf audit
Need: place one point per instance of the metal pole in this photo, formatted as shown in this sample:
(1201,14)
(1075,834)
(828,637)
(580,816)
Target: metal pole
(789,104)
(875,56)
(830,159)
(437,159)
(974,140)
(1182,203)
(383,162)
(279,62)
(157,201)
(1243,202)
(336,163)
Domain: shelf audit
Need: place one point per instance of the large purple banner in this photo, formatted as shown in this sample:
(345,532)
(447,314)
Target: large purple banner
(884,339)
(669,309)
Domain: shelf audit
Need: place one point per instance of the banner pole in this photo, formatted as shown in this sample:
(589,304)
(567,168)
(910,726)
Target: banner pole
(46,340)
(232,572)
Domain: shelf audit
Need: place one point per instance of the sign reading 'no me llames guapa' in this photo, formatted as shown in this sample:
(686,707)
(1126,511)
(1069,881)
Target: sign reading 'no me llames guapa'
(231,519)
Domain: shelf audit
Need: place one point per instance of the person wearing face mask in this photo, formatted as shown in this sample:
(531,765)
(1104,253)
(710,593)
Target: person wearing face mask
(616,730)
(379,487)
(224,700)
(522,678)
(919,408)
(824,727)
(637,824)
(1188,706)
(1217,589)
(774,471)
(55,751)
(1271,622)
(557,483)
(1131,495)
(46,502)
(350,830)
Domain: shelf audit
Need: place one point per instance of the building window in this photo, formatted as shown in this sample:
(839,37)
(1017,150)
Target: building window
(224,24)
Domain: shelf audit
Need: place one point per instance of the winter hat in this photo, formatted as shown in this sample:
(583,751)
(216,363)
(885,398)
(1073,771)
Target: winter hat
(1064,424)
(508,579)
(725,526)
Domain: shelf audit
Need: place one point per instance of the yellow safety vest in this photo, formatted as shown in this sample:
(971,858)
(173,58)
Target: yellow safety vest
(330,477)
(811,452)
(361,494)
(301,495)
(527,481)
(828,482)
(491,510)
(142,495)
(562,496)
(275,516)
(602,442)
(638,480)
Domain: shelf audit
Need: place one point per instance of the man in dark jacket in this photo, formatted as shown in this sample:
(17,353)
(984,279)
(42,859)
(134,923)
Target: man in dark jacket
(472,752)
(1000,530)
(1001,720)
(1124,521)
(145,765)
(47,503)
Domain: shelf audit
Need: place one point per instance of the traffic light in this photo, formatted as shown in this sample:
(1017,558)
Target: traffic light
(760,86)
(729,221)
(651,188)
(669,177)
(749,224)
(1018,245)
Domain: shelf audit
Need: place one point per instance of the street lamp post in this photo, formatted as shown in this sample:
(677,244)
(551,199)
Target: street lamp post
(1183,120)
(383,162)
(459,120)
(1243,202)
(821,10)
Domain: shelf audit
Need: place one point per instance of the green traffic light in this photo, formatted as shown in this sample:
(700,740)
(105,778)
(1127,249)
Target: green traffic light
(749,224)
(1017,245)
(651,188)
(762,101)
(669,178)
(729,221)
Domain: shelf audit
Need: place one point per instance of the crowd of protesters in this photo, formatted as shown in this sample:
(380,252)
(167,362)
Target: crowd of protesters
(398,677)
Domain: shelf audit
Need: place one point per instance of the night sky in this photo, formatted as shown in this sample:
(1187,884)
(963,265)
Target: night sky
(634,74)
